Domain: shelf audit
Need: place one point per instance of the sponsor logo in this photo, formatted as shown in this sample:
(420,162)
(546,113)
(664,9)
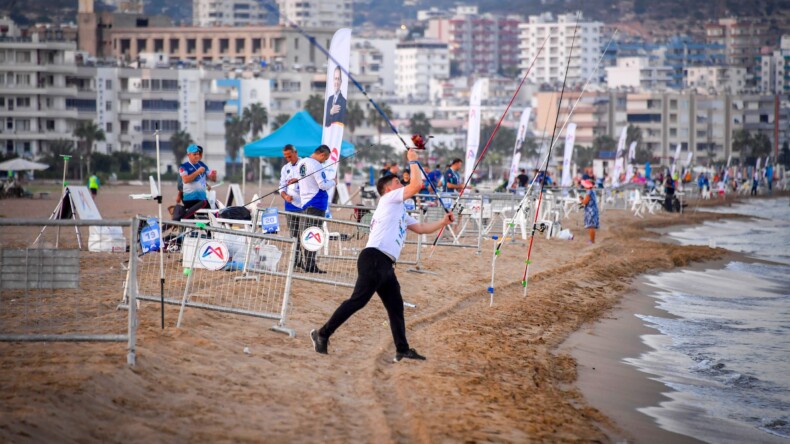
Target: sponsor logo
(213,255)
(313,238)
(303,170)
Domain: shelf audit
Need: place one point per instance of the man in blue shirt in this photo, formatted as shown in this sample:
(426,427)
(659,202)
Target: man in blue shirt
(193,174)
(452,179)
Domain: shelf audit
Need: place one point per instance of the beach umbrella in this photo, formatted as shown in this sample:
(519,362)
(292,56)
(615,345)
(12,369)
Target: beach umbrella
(20,164)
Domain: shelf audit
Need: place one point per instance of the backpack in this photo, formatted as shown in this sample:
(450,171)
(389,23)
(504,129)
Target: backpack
(236,213)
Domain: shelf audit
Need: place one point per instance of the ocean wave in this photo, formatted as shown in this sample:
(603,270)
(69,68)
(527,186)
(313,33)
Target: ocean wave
(777,426)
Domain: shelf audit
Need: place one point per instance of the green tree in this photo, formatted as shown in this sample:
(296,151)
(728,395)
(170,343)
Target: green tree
(255,117)
(88,132)
(376,154)
(355,116)
(52,156)
(179,141)
(375,118)
(279,120)
(604,143)
(584,155)
(420,124)
(784,156)
(235,129)
(315,107)
(500,150)
(761,146)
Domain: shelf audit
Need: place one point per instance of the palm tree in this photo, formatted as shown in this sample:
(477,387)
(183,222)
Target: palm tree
(234,138)
(420,124)
(375,118)
(354,117)
(60,147)
(179,142)
(255,117)
(315,107)
(279,120)
(88,132)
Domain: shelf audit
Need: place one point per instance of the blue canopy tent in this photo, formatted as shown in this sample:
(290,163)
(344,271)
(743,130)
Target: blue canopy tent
(301,131)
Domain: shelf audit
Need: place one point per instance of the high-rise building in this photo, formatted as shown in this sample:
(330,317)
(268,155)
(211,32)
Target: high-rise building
(416,64)
(742,39)
(333,14)
(558,35)
(228,13)
(639,73)
(34,93)
(772,74)
(479,44)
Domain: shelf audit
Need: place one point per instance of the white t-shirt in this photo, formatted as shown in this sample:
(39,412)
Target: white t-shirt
(288,172)
(388,226)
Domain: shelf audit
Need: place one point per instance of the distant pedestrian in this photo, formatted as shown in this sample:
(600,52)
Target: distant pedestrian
(590,204)
(93,184)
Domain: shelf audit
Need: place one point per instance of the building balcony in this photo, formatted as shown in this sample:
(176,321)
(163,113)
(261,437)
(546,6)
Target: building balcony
(44,90)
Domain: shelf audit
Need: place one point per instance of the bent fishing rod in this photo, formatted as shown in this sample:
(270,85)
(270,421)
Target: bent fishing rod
(548,156)
(345,71)
(491,138)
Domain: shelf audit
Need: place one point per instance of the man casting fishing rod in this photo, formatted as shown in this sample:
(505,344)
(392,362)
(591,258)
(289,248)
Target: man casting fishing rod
(376,263)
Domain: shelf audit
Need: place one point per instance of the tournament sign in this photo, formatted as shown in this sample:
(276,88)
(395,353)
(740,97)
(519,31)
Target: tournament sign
(213,255)
(313,238)
(149,236)
(269,221)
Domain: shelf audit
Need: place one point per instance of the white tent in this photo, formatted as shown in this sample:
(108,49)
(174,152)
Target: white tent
(20,164)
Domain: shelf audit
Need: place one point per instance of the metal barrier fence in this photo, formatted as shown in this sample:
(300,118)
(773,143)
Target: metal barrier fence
(65,293)
(337,258)
(220,269)
(467,231)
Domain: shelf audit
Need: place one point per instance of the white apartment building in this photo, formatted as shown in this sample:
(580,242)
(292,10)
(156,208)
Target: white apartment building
(773,70)
(374,57)
(228,13)
(333,14)
(716,79)
(550,64)
(416,63)
(638,73)
(34,93)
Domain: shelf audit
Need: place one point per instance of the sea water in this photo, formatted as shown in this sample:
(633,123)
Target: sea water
(724,348)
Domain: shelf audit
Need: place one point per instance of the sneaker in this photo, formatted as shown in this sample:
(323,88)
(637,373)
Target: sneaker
(411,354)
(320,344)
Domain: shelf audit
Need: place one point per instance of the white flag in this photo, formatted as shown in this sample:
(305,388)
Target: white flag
(629,173)
(520,136)
(675,159)
(621,142)
(570,138)
(632,151)
(688,159)
(473,130)
(618,170)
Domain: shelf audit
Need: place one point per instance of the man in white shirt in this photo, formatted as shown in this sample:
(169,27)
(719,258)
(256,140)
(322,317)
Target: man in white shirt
(290,194)
(313,186)
(376,263)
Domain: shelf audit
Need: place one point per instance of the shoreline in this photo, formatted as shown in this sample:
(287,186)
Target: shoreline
(601,350)
(493,373)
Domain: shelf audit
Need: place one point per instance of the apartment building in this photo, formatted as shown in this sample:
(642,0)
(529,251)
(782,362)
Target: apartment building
(742,38)
(479,43)
(416,63)
(558,34)
(772,73)
(712,79)
(638,73)
(228,13)
(332,14)
(34,92)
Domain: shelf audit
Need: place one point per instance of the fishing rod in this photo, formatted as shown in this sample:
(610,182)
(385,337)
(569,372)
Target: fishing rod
(491,138)
(548,156)
(343,69)
(565,123)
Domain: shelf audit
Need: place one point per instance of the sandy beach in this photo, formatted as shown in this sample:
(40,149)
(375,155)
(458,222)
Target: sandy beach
(500,373)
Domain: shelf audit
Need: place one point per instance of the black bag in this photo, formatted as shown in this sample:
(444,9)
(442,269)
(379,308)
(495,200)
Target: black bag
(235,213)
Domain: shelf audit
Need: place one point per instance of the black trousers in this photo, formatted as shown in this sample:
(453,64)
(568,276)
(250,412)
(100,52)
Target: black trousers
(293,229)
(376,274)
(309,256)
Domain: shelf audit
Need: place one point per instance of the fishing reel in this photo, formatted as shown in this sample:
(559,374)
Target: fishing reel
(540,227)
(419,141)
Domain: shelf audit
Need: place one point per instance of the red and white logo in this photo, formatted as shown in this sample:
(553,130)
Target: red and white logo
(213,255)
(313,238)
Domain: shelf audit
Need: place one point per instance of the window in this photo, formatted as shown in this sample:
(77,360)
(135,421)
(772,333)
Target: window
(108,84)
(108,105)
(9,123)
(50,125)
(215,106)
(170,85)
(23,102)
(160,105)
(108,127)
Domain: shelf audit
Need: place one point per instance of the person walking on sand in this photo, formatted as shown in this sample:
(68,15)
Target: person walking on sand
(93,184)
(376,262)
(590,204)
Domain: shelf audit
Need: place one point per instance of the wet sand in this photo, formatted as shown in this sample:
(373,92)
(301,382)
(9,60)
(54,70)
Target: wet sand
(493,373)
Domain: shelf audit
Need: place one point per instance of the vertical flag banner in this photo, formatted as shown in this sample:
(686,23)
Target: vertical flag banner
(688,159)
(675,159)
(618,160)
(473,131)
(632,151)
(629,170)
(521,135)
(336,95)
(570,139)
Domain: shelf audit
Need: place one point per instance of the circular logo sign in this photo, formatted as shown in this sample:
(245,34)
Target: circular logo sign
(213,255)
(313,238)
